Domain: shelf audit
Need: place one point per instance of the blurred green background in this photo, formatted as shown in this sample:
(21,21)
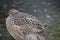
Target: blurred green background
(47,11)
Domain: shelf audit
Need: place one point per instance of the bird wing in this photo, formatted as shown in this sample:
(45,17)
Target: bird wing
(26,21)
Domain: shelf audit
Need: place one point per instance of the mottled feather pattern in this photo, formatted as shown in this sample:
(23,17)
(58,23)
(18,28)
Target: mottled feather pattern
(23,26)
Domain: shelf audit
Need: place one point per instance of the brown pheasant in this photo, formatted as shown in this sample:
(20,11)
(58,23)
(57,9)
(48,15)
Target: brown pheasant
(23,26)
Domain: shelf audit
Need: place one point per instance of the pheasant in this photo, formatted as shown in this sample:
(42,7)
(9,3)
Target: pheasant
(23,26)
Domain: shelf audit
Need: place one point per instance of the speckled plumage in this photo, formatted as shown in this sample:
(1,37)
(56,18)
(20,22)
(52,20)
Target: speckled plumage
(23,26)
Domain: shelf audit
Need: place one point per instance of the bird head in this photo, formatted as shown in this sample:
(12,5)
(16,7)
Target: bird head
(13,12)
